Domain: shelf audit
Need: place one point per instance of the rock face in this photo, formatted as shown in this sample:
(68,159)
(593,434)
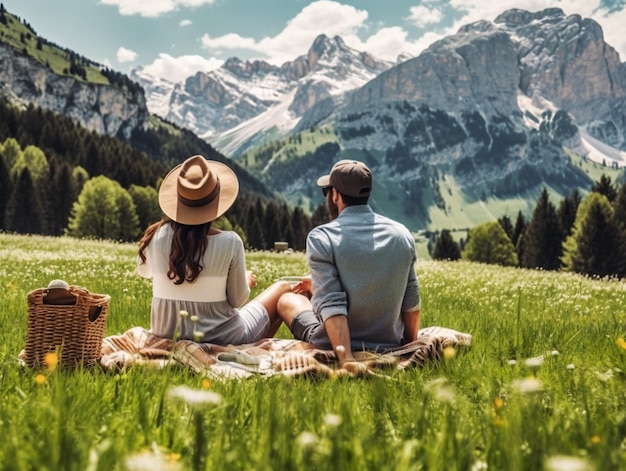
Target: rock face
(496,103)
(213,103)
(104,109)
(566,61)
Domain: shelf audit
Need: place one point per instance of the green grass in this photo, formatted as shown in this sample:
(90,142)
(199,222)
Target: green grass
(485,408)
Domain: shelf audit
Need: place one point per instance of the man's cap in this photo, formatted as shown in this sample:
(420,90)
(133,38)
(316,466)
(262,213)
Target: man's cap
(349,177)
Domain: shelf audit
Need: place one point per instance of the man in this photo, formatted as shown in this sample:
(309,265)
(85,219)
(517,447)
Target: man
(363,290)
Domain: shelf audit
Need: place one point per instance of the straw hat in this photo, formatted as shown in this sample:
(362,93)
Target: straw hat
(198,191)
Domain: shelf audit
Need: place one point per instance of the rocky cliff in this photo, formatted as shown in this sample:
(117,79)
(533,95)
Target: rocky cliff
(102,108)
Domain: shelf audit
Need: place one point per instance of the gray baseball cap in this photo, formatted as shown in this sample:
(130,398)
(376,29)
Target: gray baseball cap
(348,177)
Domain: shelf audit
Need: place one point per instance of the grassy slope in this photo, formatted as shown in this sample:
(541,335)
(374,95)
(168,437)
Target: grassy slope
(51,55)
(462,209)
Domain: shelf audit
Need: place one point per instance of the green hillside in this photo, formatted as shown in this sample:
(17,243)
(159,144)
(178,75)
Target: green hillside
(433,200)
(22,37)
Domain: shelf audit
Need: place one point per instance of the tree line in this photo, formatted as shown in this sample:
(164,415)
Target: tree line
(58,178)
(584,235)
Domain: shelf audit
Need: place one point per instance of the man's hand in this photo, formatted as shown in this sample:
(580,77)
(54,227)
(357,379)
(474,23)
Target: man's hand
(355,368)
(304,287)
(348,363)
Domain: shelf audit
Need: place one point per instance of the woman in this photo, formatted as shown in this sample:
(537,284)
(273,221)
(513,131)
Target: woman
(199,278)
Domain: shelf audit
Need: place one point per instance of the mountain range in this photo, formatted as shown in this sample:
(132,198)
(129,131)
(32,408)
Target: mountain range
(468,131)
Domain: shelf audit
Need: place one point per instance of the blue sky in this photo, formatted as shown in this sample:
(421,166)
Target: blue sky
(175,38)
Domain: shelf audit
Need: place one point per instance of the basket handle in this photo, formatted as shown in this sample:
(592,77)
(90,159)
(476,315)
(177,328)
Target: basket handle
(59,296)
(94,313)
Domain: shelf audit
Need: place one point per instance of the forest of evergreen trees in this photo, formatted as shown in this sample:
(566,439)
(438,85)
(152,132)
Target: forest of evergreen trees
(47,160)
(584,235)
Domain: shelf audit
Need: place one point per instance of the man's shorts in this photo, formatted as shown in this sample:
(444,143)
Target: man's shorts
(307,327)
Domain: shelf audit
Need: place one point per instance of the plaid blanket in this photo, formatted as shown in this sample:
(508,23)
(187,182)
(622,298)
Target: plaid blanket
(270,356)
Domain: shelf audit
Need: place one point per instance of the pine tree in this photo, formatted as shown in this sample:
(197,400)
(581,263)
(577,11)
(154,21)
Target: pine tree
(567,213)
(520,226)
(542,237)
(254,227)
(6,188)
(24,210)
(320,215)
(605,187)
(446,247)
(301,227)
(594,246)
(507,225)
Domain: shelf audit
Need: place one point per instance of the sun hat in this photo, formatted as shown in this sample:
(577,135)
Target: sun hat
(348,177)
(198,191)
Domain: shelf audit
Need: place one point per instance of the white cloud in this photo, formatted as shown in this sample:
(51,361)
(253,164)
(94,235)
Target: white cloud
(176,69)
(422,16)
(319,17)
(184,23)
(152,8)
(126,55)
(229,41)
(386,43)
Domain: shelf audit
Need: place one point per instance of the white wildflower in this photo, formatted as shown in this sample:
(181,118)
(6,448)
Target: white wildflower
(194,318)
(567,463)
(534,362)
(555,353)
(604,377)
(441,389)
(183,313)
(479,466)
(512,362)
(570,366)
(332,420)
(306,439)
(528,385)
(195,397)
(149,461)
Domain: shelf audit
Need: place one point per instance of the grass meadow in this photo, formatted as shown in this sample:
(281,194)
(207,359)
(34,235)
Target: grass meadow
(542,388)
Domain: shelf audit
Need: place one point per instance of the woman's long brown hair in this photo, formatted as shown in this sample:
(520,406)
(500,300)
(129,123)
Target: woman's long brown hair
(188,247)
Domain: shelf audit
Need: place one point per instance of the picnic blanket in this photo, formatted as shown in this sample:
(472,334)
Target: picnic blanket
(270,356)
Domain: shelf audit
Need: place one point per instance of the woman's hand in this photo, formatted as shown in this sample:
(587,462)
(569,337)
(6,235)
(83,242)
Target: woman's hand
(251,277)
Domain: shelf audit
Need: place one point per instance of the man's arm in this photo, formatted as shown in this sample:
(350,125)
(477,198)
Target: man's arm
(411,321)
(339,335)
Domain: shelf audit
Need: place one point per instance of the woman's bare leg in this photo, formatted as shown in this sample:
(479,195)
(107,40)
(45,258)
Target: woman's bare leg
(269,298)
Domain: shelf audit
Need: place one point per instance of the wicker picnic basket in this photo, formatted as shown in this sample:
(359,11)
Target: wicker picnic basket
(68,320)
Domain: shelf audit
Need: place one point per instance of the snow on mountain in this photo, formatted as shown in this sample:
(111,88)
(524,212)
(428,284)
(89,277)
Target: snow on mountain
(158,100)
(602,153)
(229,106)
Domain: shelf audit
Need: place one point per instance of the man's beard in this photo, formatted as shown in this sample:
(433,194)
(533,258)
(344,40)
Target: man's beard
(332,207)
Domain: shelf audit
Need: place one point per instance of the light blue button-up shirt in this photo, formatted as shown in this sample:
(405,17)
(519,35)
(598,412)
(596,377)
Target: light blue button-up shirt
(363,266)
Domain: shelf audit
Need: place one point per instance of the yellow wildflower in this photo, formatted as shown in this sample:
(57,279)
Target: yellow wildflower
(40,379)
(206,384)
(595,439)
(498,403)
(51,360)
(621,342)
(449,353)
